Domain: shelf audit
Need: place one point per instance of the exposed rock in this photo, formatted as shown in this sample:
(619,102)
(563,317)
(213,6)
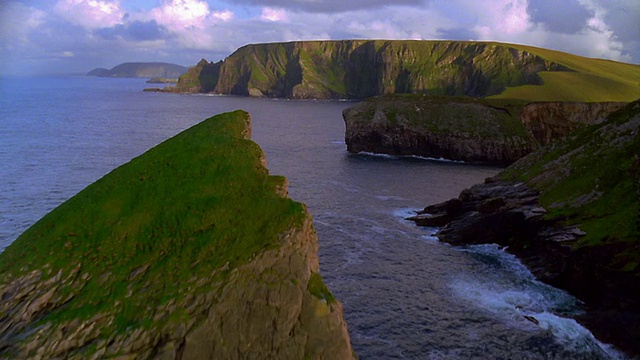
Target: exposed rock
(471,130)
(549,121)
(474,130)
(198,79)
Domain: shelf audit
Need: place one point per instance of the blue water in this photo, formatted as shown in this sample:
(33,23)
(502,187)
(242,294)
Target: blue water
(406,296)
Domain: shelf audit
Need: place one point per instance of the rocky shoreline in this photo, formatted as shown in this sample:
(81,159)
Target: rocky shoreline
(509,214)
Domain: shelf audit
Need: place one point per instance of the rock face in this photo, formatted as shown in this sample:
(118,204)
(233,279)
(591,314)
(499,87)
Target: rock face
(198,79)
(569,211)
(191,250)
(358,69)
(141,70)
(491,131)
(473,130)
(552,120)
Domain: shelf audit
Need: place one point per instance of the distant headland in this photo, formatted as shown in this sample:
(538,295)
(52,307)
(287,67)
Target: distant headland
(141,70)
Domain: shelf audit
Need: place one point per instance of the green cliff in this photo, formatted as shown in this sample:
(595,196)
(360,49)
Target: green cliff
(489,130)
(191,250)
(358,69)
(141,70)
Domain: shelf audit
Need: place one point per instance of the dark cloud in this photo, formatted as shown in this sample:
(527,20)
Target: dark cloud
(623,18)
(457,34)
(330,6)
(566,16)
(134,31)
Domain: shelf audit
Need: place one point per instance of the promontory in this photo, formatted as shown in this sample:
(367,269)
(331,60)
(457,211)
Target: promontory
(191,250)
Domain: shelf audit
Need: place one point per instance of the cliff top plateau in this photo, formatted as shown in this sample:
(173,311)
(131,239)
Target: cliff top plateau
(189,250)
(358,69)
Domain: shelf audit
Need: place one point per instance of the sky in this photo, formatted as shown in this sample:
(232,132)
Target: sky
(76,36)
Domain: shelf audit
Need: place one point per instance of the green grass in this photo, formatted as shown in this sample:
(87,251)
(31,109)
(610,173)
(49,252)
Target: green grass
(145,231)
(590,80)
(595,160)
(317,288)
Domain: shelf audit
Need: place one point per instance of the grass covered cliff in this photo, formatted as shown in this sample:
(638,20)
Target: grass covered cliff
(189,249)
(358,69)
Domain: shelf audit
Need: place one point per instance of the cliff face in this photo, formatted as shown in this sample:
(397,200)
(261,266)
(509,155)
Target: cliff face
(141,70)
(191,250)
(198,79)
(552,120)
(571,211)
(438,127)
(358,69)
(475,130)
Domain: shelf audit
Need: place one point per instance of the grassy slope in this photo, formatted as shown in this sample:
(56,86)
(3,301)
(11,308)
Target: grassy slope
(591,80)
(184,209)
(587,180)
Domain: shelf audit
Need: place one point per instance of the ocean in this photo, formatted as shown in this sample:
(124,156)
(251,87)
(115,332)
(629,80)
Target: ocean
(405,295)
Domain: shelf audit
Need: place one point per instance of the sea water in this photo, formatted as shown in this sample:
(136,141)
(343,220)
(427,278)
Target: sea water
(405,295)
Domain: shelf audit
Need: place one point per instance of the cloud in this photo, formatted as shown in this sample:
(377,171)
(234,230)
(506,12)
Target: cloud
(273,14)
(567,16)
(329,6)
(177,15)
(90,14)
(134,31)
(106,32)
(457,34)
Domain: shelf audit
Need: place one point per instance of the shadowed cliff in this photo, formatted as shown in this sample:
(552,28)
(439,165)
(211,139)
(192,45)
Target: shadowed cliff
(191,250)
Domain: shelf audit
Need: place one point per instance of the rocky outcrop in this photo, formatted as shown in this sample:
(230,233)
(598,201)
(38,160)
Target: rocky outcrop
(549,121)
(464,129)
(198,79)
(141,70)
(569,211)
(191,250)
(491,131)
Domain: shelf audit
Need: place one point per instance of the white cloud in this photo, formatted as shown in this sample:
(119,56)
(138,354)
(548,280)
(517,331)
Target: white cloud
(178,15)
(225,15)
(91,14)
(274,14)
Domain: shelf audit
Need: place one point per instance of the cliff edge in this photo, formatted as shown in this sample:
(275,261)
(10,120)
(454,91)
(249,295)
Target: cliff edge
(191,250)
